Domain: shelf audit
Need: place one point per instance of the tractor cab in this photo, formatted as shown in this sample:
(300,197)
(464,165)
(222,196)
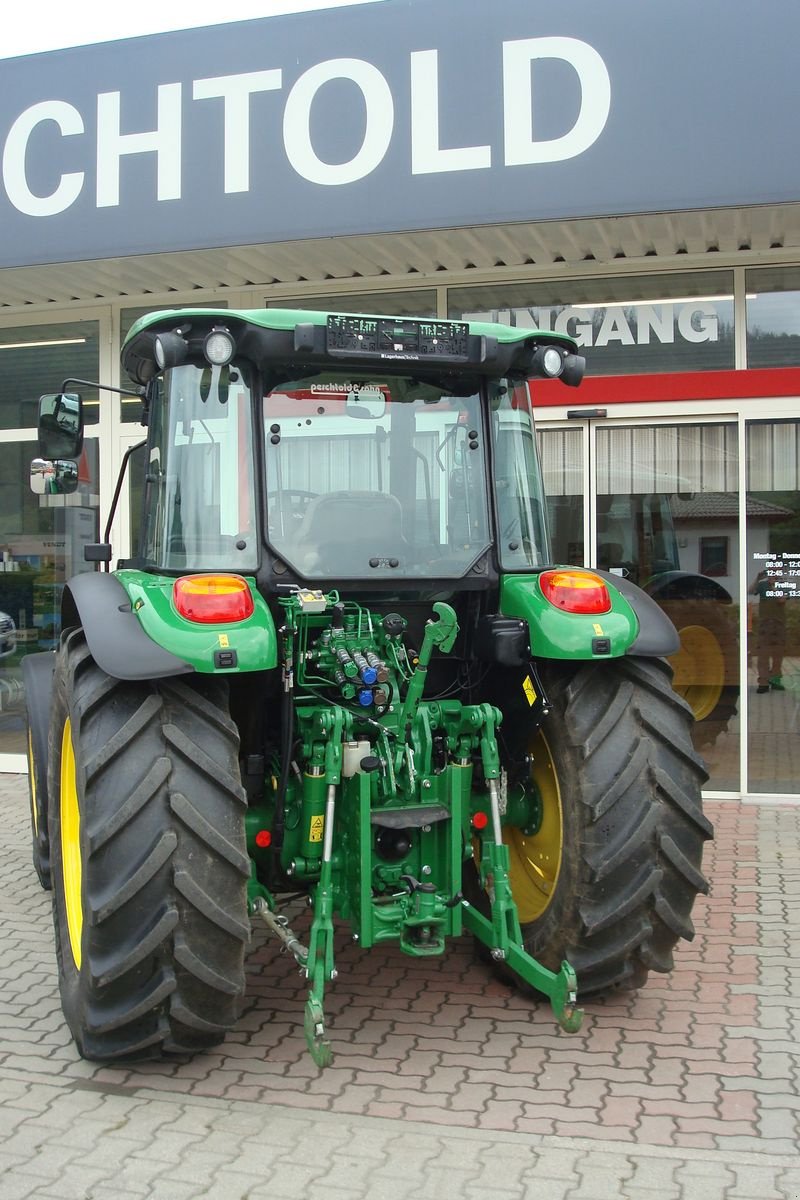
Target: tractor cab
(333,463)
(360,451)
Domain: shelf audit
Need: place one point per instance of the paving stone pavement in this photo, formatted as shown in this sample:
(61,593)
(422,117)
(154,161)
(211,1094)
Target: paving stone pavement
(446,1083)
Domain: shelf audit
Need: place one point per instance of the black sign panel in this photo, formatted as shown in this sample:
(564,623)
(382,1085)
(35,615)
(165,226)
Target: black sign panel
(443,341)
(400,115)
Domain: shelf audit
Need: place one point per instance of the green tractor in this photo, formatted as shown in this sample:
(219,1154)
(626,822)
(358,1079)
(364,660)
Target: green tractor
(342,664)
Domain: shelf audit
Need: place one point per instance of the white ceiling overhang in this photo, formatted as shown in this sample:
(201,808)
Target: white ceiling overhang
(538,250)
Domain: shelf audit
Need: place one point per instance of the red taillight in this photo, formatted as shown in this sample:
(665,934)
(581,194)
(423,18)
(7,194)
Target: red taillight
(575,591)
(263,838)
(480,820)
(213,599)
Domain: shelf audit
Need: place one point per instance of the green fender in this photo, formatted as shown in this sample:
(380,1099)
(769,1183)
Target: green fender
(633,625)
(252,643)
(134,630)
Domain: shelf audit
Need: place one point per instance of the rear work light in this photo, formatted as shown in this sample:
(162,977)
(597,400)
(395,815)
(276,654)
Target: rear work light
(575,591)
(213,599)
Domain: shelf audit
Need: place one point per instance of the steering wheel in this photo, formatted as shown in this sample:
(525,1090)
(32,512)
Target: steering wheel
(294,502)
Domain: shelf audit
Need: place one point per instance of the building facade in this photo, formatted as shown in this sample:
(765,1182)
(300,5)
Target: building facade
(629,177)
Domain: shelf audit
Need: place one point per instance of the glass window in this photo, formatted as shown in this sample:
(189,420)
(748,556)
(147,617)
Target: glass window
(773,584)
(561,452)
(41,546)
(714,556)
(419,303)
(375,479)
(773,317)
(629,325)
(520,502)
(200,511)
(35,359)
(136,480)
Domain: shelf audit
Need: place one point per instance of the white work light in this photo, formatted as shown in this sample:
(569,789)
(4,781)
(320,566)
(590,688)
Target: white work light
(218,347)
(170,350)
(552,363)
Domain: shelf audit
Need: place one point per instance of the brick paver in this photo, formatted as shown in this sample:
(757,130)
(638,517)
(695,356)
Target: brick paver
(446,1082)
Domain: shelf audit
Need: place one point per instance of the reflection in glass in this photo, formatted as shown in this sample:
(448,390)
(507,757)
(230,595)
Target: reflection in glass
(35,359)
(54,477)
(41,546)
(773,586)
(60,425)
(773,317)
(667,507)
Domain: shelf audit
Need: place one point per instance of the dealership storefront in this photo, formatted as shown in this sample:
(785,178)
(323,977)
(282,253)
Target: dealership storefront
(455,160)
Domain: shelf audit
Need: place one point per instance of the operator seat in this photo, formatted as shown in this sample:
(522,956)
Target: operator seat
(342,531)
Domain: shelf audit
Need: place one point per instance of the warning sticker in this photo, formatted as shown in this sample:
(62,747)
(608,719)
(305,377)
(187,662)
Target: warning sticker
(598,629)
(529,690)
(315,829)
(223,639)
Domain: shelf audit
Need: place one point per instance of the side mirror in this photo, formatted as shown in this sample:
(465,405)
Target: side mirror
(60,426)
(54,477)
(366,403)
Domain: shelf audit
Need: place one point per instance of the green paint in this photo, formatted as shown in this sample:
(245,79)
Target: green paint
(558,634)
(254,640)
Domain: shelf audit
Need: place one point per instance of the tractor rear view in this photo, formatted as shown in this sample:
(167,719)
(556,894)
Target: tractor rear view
(342,663)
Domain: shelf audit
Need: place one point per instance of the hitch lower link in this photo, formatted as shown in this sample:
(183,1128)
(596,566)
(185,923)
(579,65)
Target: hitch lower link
(501,932)
(315,960)
(319,1046)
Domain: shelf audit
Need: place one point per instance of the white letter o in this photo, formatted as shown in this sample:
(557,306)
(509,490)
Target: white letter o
(297,121)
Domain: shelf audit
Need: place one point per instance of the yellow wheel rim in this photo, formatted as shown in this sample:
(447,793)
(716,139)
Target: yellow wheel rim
(699,668)
(535,859)
(72,869)
(32,783)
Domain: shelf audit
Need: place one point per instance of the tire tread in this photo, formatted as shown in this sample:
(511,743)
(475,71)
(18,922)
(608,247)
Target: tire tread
(165,867)
(620,741)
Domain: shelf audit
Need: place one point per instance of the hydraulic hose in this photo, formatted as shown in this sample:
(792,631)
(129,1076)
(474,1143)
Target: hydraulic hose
(285,637)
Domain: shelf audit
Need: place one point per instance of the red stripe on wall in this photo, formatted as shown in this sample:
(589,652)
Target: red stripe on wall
(598,391)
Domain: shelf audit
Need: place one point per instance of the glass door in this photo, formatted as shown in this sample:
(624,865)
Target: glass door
(773,605)
(657,503)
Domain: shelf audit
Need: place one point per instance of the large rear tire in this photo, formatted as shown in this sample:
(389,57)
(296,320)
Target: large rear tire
(146,819)
(37,672)
(37,794)
(609,878)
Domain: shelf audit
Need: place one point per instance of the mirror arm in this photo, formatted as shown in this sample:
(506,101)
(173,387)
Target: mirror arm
(105,387)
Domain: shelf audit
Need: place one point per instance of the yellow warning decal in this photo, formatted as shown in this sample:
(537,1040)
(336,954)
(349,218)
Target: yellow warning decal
(223,639)
(598,629)
(529,690)
(315,829)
